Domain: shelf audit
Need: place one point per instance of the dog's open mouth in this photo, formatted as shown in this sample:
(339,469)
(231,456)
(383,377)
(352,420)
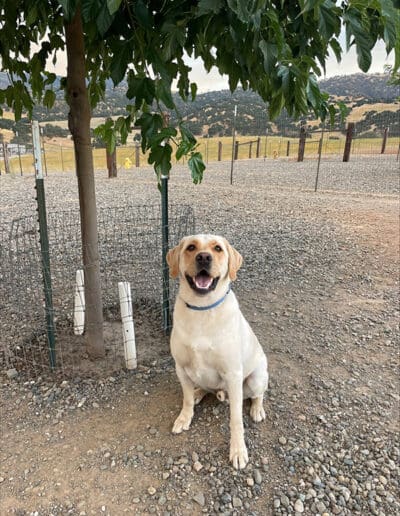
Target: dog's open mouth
(202,283)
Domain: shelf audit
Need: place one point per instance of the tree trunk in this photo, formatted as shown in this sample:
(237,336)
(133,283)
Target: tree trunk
(111,158)
(79,125)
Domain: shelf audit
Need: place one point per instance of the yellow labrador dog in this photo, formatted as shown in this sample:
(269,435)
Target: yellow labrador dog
(213,346)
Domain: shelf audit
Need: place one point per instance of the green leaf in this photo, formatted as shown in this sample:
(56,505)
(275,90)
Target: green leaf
(142,14)
(193,90)
(141,89)
(270,53)
(197,167)
(90,10)
(329,22)
(163,93)
(113,6)
(160,156)
(49,99)
(104,19)
(209,6)
(69,8)
(362,39)
(119,64)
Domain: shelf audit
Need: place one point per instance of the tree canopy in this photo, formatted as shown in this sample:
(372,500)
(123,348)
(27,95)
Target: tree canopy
(277,48)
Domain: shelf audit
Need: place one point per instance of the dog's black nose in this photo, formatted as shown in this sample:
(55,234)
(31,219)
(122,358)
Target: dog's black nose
(204,259)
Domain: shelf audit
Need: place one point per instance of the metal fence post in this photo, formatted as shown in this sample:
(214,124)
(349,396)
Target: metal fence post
(166,313)
(44,244)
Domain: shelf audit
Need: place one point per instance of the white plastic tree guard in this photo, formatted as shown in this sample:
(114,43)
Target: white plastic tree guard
(128,330)
(79,303)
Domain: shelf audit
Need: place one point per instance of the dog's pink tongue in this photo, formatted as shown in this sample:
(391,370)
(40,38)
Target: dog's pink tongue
(203,281)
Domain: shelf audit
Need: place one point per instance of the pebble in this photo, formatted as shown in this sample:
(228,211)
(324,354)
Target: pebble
(12,373)
(151,490)
(257,476)
(298,506)
(199,498)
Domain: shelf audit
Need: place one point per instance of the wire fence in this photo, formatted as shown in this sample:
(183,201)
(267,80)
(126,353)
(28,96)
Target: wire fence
(130,251)
(255,137)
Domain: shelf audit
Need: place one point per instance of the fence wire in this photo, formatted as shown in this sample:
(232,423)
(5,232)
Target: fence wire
(130,251)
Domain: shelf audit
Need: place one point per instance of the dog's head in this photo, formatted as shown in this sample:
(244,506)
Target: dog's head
(204,262)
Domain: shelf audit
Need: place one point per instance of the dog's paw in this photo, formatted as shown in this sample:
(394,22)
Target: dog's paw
(257,413)
(199,395)
(238,455)
(182,422)
(221,396)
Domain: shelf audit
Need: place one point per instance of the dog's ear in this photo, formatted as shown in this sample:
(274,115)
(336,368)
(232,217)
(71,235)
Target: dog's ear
(173,260)
(235,261)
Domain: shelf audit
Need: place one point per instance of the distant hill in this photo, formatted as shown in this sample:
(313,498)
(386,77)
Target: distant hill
(212,112)
(370,87)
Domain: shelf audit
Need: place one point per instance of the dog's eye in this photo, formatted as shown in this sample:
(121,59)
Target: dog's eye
(218,248)
(191,247)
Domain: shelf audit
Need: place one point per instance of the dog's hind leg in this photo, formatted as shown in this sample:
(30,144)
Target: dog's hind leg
(254,387)
(199,395)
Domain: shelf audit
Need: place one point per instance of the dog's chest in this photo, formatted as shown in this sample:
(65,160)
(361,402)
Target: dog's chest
(202,364)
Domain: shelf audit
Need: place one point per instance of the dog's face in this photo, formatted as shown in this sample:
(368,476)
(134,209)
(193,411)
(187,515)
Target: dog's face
(204,262)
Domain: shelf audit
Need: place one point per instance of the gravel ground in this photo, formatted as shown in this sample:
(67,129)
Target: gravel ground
(319,285)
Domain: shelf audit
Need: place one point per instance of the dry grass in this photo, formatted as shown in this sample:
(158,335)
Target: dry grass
(61,158)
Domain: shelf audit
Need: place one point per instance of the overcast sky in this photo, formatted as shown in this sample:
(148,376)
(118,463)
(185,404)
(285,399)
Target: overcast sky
(214,81)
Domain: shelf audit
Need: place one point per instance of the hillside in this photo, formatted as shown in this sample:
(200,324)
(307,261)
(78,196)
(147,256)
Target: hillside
(212,112)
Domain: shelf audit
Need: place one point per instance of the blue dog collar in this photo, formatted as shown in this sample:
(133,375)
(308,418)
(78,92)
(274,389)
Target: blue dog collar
(208,307)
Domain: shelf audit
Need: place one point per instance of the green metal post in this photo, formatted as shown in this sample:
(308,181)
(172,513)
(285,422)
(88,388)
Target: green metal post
(165,244)
(44,244)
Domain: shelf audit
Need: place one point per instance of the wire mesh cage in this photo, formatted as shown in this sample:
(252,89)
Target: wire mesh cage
(130,251)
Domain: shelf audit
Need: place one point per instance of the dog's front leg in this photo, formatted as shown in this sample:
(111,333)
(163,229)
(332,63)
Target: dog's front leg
(238,451)
(184,419)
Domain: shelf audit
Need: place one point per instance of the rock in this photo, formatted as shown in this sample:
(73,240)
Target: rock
(12,374)
(236,502)
(151,490)
(199,498)
(197,466)
(282,440)
(257,476)
(298,506)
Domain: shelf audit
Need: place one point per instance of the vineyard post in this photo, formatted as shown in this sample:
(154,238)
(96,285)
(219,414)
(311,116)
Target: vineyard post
(384,141)
(233,142)
(349,139)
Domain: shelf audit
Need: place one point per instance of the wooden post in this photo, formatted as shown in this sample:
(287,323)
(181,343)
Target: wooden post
(62,158)
(384,141)
(258,147)
(349,139)
(250,146)
(111,158)
(288,148)
(219,151)
(5,156)
(137,155)
(302,143)
(236,150)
